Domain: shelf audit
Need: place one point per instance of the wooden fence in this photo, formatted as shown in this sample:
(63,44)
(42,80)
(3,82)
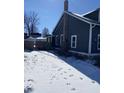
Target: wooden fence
(36,44)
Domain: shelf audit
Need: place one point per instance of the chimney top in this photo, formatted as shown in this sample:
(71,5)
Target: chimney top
(66,5)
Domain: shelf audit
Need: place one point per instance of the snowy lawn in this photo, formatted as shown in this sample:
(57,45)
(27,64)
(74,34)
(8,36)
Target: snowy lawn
(47,73)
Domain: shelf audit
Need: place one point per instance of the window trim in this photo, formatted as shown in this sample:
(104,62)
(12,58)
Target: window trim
(56,40)
(98,41)
(61,40)
(74,41)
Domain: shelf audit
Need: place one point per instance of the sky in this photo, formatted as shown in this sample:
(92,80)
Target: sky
(50,11)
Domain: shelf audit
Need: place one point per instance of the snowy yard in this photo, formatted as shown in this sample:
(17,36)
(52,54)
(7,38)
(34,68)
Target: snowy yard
(47,73)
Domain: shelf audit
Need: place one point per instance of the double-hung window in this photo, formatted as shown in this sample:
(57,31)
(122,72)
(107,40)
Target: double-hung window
(61,39)
(56,40)
(73,41)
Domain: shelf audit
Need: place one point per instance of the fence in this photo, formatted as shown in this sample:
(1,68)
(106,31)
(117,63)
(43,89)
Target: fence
(36,44)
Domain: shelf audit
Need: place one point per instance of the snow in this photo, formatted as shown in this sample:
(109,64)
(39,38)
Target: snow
(77,14)
(30,39)
(46,72)
(34,39)
(43,38)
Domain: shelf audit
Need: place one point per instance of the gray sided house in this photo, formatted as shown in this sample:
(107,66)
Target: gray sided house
(78,33)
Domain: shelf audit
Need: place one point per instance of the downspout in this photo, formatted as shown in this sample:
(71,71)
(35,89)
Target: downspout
(90,39)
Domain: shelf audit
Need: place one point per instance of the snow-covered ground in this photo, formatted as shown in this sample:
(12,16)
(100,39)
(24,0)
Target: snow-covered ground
(48,73)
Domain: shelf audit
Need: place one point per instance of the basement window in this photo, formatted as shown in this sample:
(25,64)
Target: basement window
(73,41)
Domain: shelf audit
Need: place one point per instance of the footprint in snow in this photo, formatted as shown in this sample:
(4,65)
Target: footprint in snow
(68,84)
(65,78)
(29,87)
(53,77)
(25,56)
(81,78)
(65,72)
(93,81)
(35,60)
(73,89)
(71,75)
(28,90)
(35,55)
(32,68)
(31,80)
(61,73)
(59,69)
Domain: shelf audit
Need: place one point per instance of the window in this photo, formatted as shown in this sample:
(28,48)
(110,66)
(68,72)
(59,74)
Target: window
(98,42)
(49,39)
(56,39)
(73,41)
(61,39)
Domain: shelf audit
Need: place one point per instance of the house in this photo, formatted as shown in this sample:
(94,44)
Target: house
(35,35)
(78,33)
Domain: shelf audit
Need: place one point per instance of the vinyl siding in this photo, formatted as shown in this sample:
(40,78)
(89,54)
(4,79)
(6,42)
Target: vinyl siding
(81,29)
(58,31)
(95,32)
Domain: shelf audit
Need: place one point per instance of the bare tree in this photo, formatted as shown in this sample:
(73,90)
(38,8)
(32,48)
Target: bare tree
(45,32)
(31,21)
(27,23)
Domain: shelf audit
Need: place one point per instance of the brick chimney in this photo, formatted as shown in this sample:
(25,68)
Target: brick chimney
(65,27)
(66,5)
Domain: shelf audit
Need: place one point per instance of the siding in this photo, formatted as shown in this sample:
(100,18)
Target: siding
(95,32)
(58,31)
(81,29)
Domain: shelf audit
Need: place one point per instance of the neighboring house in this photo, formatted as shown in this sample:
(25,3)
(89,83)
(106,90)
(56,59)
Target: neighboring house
(35,35)
(78,33)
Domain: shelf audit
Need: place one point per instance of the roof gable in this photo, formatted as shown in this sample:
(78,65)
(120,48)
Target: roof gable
(79,17)
(94,15)
(87,20)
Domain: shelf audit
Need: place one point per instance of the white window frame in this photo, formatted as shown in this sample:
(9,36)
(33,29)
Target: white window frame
(98,42)
(61,40)
(74,41)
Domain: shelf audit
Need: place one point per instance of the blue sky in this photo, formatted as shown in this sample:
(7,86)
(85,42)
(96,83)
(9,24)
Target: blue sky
(49,11)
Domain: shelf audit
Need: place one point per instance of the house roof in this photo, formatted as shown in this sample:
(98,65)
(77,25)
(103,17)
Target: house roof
(98,9)
(80,17)
(94,15)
